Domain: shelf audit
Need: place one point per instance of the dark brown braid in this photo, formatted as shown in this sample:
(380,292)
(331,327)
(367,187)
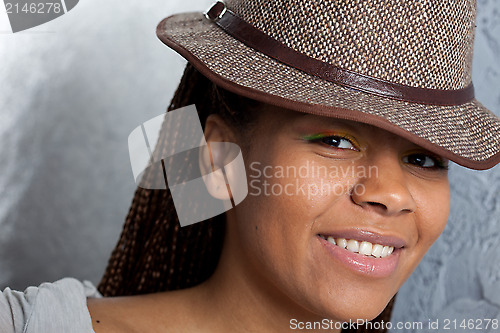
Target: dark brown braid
(154,253)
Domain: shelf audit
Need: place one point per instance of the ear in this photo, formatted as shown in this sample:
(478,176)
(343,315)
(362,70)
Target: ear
(215,156)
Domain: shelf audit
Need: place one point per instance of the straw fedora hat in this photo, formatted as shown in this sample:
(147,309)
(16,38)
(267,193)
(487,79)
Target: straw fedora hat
(404,66)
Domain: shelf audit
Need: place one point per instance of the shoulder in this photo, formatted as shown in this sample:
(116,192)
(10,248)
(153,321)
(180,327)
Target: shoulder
(121,314)
(50,307)
(158,312)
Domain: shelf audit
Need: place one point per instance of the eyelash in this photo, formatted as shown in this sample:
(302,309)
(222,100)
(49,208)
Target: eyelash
(439,164)
(322,138)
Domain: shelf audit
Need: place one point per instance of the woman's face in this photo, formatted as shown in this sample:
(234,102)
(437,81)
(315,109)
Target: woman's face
(315,181)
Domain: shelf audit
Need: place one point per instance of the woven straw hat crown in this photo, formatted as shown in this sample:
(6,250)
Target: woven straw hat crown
(404,66)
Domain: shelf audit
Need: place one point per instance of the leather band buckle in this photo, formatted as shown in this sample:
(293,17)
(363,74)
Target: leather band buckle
(216,11)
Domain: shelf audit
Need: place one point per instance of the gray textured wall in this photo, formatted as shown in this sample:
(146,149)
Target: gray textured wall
(73,89)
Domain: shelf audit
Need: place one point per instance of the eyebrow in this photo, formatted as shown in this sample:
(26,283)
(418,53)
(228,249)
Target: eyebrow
(325,125)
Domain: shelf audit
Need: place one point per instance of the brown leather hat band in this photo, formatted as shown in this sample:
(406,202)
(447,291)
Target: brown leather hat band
(271,47)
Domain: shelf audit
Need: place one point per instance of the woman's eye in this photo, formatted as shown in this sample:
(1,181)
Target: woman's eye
(338,142)
(424,161)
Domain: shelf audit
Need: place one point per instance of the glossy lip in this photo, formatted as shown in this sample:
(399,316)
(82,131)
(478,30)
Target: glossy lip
(359,263)
(368,236)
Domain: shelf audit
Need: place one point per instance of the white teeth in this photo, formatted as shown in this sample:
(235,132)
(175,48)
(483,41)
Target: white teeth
(377,250)
(342,242)
(353,245)
(385,252)
(364,247)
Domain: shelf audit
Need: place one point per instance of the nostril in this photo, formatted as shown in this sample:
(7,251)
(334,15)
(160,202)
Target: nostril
(376,204)
(385,200)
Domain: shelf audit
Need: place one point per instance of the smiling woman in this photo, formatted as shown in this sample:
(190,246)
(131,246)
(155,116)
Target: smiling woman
(307,245)
(347,114)
(305,88)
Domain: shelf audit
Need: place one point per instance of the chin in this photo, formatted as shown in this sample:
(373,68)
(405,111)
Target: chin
(355,308)
(355,314)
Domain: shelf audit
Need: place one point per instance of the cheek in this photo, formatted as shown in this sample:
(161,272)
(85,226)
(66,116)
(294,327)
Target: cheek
(290,194)
(276,222)
(434,208)
(279,208)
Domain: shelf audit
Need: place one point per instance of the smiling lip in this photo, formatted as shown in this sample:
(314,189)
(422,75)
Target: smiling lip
(368,236)
(366,265)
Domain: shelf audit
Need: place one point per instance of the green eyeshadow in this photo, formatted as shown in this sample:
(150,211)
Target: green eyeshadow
(316,136)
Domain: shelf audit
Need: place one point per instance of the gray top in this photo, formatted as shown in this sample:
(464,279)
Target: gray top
(58,307)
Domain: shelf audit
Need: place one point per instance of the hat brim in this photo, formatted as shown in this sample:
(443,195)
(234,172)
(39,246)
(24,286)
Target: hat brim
(467,134)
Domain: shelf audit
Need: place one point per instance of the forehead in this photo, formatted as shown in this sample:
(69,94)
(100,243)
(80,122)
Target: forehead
(277,120)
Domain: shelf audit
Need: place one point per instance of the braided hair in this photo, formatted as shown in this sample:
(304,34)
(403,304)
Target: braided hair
(154,253)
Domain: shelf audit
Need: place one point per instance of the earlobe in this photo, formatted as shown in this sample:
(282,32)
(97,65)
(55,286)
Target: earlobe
(212,161)
(216,185)
(215,155)
(221,162)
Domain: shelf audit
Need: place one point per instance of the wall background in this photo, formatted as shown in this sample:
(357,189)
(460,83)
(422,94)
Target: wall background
(71,91)
(74,88)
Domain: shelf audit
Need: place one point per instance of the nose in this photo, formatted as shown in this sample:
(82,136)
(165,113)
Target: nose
(385,189)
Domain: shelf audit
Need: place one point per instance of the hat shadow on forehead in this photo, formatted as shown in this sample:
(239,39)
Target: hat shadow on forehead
(402,66)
